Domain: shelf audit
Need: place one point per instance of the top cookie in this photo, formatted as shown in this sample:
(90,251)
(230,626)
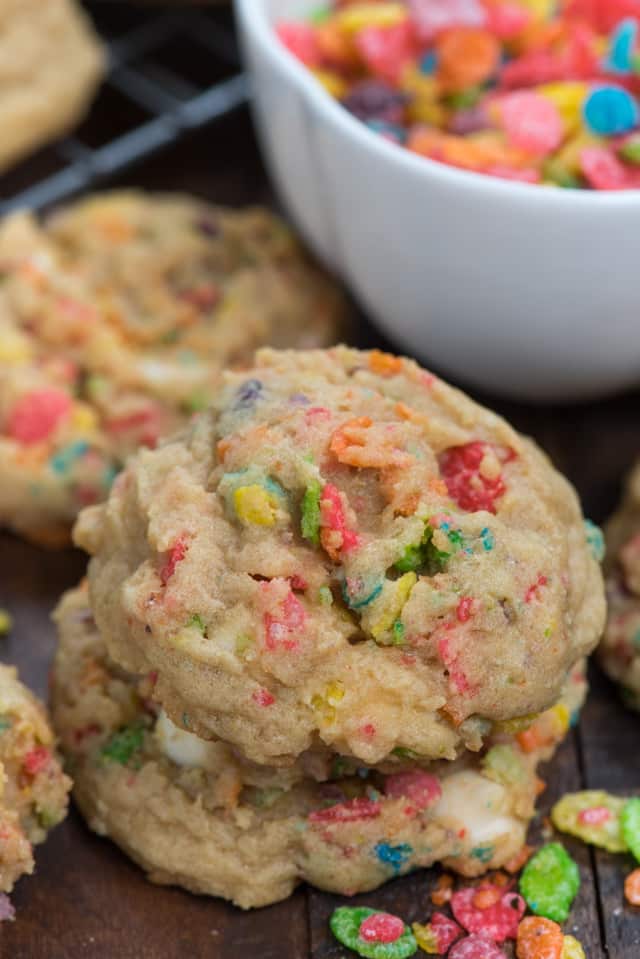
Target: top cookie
(620,648)
(344,553)
(116,317)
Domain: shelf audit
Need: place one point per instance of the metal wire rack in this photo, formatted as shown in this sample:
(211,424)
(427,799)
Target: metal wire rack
(171,72)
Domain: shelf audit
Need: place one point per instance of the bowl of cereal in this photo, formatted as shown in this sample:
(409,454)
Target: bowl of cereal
(524,288)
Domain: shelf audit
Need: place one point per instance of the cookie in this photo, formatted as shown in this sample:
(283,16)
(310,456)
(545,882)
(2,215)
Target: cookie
(619,652)
(194,814)
(116,317)
(51,65)
(344,553)
(33,788)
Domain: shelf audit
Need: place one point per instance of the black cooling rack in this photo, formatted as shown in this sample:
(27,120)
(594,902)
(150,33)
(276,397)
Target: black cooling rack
(171,72)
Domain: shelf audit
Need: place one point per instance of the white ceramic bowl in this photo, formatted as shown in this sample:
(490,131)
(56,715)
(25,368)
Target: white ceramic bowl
(523,290)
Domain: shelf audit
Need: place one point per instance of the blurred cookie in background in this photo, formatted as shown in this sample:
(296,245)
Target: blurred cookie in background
(51,63)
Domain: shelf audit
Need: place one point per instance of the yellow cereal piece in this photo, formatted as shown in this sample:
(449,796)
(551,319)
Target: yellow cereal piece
(541,9)
(516,725)
(561,717)
(425,938)
(572,949)
(84,419)
(568,99)
(14,348)
(424,92)
(334,693)
(569,156)
(254,506)
(332,82)
(360,15)
(6,622)
(393,606)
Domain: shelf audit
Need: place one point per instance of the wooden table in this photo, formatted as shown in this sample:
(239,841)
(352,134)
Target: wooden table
(87,901)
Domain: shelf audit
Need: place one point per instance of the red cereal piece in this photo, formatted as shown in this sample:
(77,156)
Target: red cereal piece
(531,122)
(476,947)
(333,520)
(534,590)
(497,921)
(465,609)
(387,50)
(595,816)
(603,170)
(36,760)
(176,554)
(300,40)
(445,931)
(421,788)
(352,810)
(381,927)
(262,697)
(37,414)
(471,490)
(506,20)
(282,630)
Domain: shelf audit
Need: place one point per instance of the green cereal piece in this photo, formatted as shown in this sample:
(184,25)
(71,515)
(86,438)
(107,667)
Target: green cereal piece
(310,519)
(123,744)
(345,925)
(595,540)
(422,556)
(550,882)
(568,815)
(5,723)
(630,151)
(630,825)
(503,764)
(196,622)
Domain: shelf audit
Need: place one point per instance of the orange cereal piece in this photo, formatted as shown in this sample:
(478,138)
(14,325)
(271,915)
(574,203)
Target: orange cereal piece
(441,895)
(466,57)
(516,863)
(539,938)
(360,443)
(384,364)
(632,888)
(486,896)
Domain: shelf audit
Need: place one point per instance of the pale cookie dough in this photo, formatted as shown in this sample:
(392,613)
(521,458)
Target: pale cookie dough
(192,814)
(51,63)
(619,652)
(344,553)
(116,317)
(33,788)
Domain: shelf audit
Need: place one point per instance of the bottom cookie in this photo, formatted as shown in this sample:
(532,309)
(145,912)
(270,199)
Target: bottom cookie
(33,789)
(192,813)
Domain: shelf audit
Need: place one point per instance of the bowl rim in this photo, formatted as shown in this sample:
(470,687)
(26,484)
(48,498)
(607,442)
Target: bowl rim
(253,17)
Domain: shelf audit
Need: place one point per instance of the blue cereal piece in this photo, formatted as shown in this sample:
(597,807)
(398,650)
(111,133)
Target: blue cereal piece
(610,111)
(623,44)
(394,856)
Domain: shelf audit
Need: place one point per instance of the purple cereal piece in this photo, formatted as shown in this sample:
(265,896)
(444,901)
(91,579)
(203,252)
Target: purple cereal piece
(375,100)
(470,120)
(7,912)
(247,394)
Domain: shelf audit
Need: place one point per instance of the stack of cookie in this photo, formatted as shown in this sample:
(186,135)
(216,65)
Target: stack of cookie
(330,630)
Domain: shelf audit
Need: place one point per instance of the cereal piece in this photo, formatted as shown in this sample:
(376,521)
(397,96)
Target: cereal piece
(630,826)
(489,912)
(573,814)
(6,622)
(539,938)
(36,415)
(373,934)
(550,882)
(476,947)
(572,949)
(610,111)
(473,475)
(632,888)
(438,935)
(531,122)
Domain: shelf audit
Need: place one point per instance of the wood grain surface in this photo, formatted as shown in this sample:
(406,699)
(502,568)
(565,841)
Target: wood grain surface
(87,901)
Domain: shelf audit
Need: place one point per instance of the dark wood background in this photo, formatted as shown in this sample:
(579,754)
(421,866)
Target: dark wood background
(87,901)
